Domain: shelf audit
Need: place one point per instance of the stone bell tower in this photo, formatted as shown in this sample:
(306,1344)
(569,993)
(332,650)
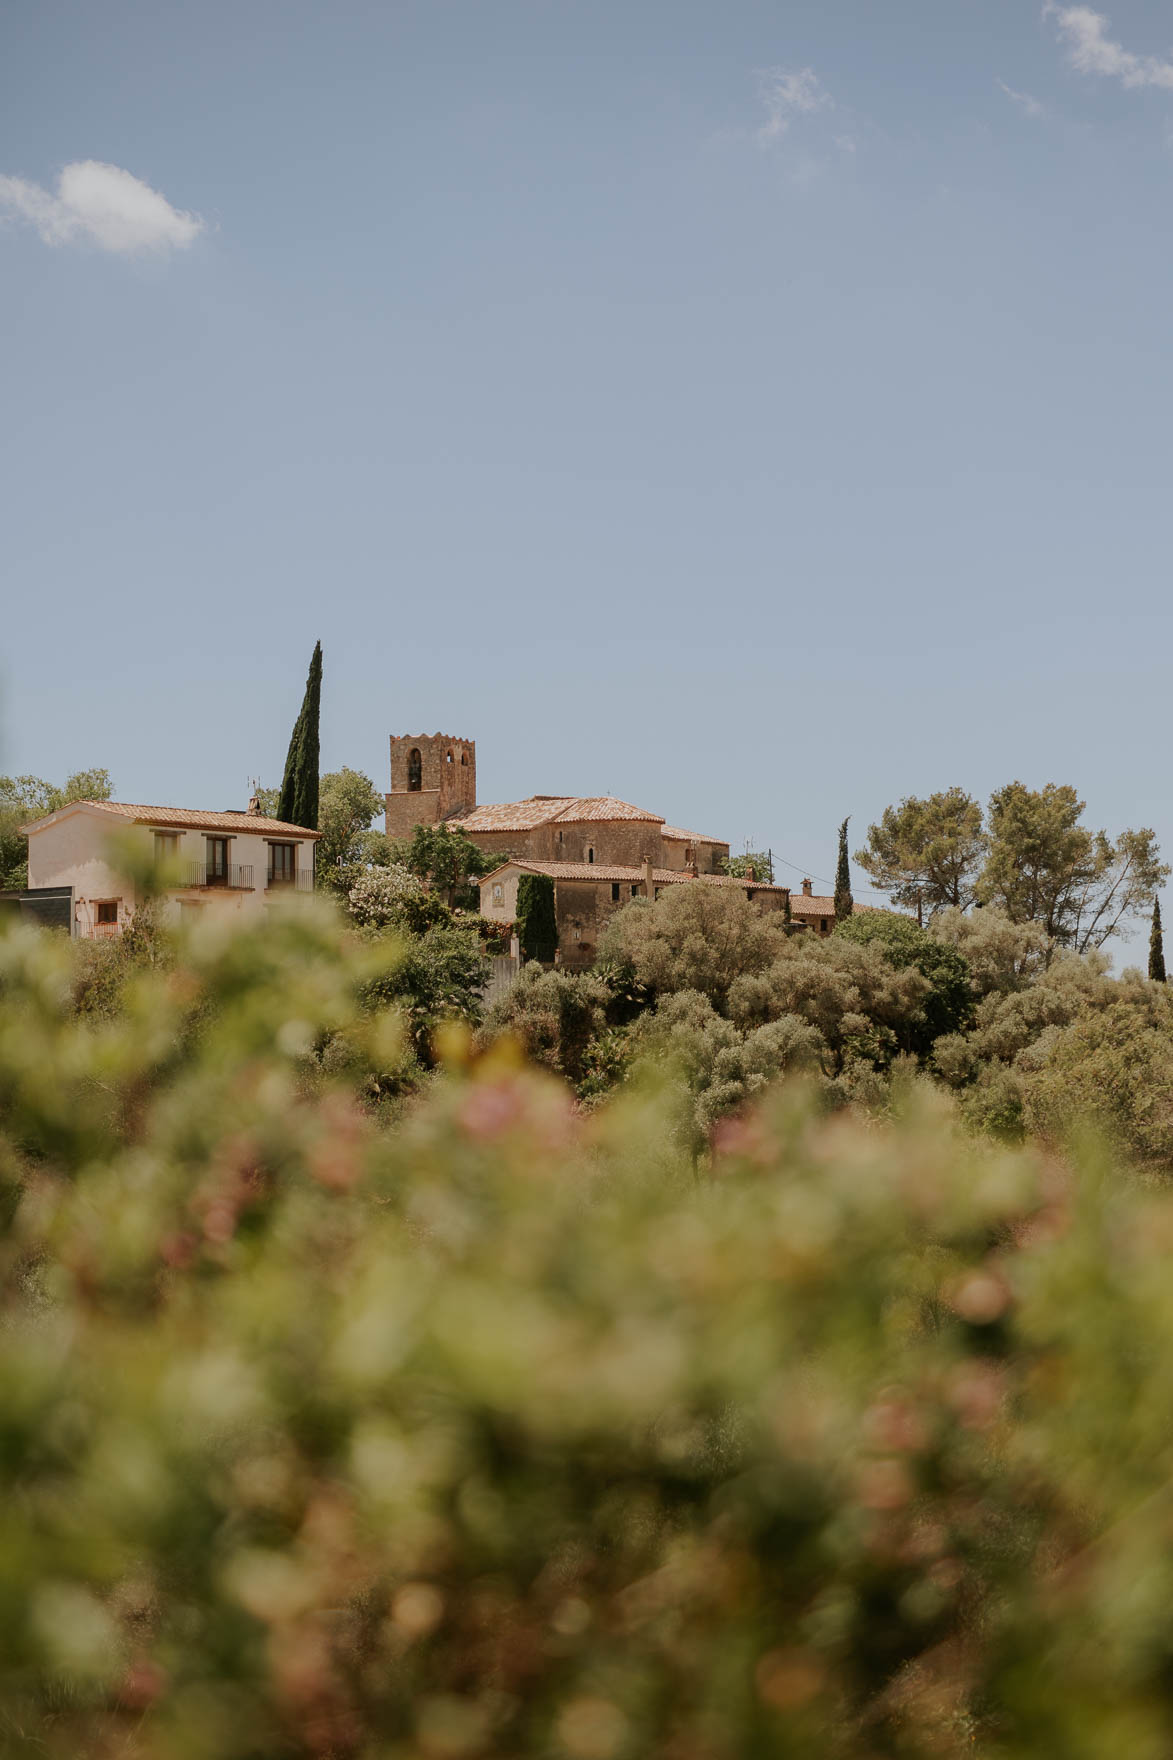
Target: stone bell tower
(433,777)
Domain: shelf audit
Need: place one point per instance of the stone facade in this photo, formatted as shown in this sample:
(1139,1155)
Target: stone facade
(434,781)
(433,778)
(587,895)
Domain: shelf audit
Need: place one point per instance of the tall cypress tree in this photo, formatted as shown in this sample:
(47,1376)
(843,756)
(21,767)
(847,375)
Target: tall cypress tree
(537,920)
(298,804)
(844,903)
(1157,946)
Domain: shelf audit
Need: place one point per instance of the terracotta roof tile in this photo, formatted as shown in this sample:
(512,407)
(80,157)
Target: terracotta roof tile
(587,809)
(606,871)
(183,817)
(591,871)
(539,809)
(674,834)
(820,905)
(802,904)
(545,809)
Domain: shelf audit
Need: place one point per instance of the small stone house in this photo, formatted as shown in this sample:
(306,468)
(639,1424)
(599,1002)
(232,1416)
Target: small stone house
(587,895)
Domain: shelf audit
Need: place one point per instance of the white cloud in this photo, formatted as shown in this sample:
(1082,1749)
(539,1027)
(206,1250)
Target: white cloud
(787,95)
(103,205)
(1091,50)
(1028,105)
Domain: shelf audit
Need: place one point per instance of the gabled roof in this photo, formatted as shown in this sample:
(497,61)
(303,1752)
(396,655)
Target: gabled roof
(608,871)
(546,809)
(674,834)
(604,807)
(539,809)
(181,819)
(803,904)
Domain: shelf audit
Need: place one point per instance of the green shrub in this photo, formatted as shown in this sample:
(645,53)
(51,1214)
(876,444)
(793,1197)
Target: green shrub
(503,1433)
(555,1016)
(948,1007)
(1112,1067)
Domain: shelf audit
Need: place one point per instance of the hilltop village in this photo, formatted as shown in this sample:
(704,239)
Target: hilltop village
(599,851)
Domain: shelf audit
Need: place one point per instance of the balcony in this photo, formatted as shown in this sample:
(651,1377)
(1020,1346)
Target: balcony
(302,881)
(231,879)
(99,931)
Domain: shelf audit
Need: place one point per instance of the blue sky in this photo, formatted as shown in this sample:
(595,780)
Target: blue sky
(759,411)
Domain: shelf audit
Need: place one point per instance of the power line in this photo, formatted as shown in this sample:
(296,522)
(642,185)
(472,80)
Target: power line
(807,875)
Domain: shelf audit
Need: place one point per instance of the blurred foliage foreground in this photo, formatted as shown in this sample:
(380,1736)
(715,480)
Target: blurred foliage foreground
(512,1432)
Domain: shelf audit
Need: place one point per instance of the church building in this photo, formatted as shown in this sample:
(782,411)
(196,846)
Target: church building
(600,852)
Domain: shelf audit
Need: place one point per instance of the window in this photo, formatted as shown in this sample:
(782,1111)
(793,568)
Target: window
(590,852)
(656,892)
(464,757)
(498,892)
(614,892)
(415,771)
(106,910)
(282,864)
(448,759)
(166,847)
(635,892)
(217,861)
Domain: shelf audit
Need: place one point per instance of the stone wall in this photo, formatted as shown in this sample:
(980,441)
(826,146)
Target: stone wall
(583,908)
(625,843)
(406,811)
(708,858)
(433,776)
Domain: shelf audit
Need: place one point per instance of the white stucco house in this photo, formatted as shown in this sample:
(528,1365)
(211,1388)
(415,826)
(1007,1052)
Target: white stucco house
(224,862)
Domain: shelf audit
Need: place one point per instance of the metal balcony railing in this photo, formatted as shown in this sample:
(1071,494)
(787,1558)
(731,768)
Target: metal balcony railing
(232,879)
(302,881)
(100,931)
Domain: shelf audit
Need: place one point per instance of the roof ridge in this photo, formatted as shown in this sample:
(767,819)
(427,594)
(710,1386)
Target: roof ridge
(192,817)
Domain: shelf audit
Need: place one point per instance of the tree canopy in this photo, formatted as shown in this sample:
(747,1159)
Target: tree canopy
(445,857)
(693,937)
(537,922)
(927,854)
(297,802)
(844,903)
(760,860)
(24,798)
(1044,866)
(1032,856)
(948,1006)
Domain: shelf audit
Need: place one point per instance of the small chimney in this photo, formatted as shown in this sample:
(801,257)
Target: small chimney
(749,872)
(806,889)
(254,806)
(649,878)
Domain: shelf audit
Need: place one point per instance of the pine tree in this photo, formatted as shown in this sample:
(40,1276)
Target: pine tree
(298,804)
(1157,946)
(844,903)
